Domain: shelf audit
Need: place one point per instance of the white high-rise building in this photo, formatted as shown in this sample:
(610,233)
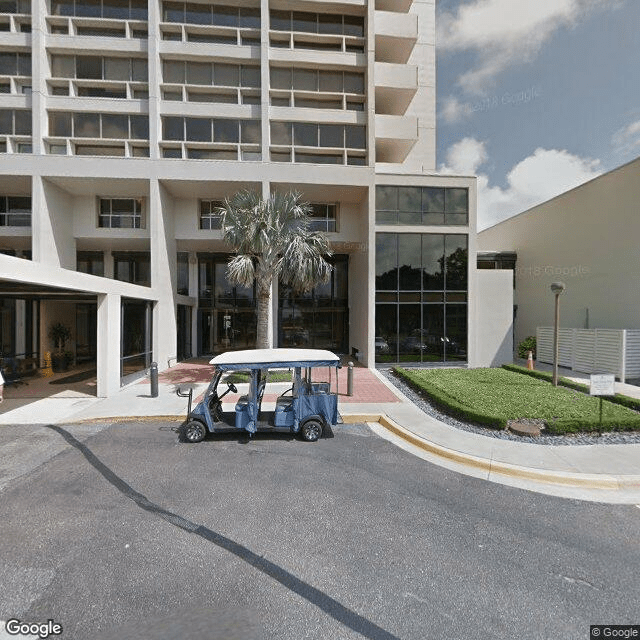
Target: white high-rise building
(124,123)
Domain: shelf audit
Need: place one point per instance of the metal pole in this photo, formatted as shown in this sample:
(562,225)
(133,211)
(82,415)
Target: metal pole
(555,341)
(350,379)
(153,377)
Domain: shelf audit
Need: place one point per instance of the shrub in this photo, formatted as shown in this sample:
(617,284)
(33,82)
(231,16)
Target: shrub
(528,344)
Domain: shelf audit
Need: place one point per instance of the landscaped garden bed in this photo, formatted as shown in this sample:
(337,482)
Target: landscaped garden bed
(493,397)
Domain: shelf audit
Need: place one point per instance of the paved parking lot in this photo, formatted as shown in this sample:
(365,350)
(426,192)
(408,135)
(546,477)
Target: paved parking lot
(124,528)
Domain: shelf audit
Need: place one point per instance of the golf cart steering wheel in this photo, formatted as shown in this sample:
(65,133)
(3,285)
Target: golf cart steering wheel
(232,387)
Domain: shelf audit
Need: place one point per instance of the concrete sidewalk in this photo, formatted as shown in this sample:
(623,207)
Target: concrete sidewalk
(607,473)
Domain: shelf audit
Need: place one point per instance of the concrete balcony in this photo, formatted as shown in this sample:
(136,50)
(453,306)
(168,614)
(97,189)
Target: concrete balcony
(395,137)
(396,35)
(396,84)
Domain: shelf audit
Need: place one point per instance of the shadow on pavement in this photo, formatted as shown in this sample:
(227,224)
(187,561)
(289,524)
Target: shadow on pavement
(316,597)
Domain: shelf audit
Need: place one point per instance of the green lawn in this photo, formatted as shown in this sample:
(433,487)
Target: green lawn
(494,396)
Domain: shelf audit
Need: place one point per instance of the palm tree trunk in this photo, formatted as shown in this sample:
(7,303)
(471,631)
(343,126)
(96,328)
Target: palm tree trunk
(264,302)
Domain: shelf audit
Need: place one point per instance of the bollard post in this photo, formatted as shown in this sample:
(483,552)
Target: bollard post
(153,377)
(350,379)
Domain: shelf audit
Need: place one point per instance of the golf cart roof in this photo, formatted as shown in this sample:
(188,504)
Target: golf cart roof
(275,358)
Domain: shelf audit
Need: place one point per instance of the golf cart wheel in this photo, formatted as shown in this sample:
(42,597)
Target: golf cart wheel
(194,431)
(311,430)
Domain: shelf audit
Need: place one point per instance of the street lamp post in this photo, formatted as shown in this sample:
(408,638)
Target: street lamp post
(557,288)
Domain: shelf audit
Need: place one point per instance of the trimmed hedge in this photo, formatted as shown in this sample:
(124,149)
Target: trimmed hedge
(499,398)
(619,398)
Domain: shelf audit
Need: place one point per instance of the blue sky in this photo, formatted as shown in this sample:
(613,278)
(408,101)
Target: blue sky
(536,96)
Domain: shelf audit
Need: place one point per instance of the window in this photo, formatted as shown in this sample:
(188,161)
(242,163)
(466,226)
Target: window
(120,213)
(99,125)
(322,81)
(210,74)
(97,68)
(422,205)
(183,273)
(317,23)
(210,217)
(221,130)
(133,266)
(91,262)
(15,64)
(112,9)
(15,6)
(15,122)
(323,217)
(216,15)
(421,297)
(15,211)
(323,136)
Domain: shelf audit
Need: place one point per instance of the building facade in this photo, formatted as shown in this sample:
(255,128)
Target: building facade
(586,238)
(125,123)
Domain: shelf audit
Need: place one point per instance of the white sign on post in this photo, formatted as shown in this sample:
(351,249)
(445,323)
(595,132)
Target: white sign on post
(602,385)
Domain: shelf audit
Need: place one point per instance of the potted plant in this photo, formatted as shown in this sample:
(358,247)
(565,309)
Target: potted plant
(59,334)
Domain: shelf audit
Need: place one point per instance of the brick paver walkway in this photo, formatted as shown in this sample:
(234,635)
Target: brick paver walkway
(366,386)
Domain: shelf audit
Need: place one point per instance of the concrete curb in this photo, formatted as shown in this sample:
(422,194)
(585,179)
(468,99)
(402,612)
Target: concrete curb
(580,480)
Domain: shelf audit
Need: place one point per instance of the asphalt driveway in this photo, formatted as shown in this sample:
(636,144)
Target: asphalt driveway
(126,533)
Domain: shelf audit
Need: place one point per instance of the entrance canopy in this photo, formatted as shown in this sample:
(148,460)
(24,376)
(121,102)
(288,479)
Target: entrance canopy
(280,358)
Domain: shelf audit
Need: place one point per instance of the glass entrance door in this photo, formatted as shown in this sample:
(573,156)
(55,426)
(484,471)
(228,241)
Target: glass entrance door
(226,330)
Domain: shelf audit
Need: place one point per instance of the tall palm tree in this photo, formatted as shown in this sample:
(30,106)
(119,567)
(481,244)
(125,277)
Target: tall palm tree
(272,240)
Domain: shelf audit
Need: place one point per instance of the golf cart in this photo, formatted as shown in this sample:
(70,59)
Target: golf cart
(305,408)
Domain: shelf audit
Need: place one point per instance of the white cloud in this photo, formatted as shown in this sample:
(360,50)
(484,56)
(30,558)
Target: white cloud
(465,157)
(626,141)
(541,176)
(452,110)
(504,33)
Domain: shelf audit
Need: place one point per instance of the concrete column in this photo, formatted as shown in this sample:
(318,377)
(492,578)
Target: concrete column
(108,265)
(369,354)
(163,274)
(21,306)
(108,348)
(39,74)
(155,75)
(264,75)
(193,292)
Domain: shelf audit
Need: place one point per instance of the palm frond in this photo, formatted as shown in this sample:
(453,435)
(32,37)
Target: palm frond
(303,262)
(241,270)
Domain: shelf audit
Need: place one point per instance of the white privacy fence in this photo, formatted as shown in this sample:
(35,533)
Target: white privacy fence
(614,351)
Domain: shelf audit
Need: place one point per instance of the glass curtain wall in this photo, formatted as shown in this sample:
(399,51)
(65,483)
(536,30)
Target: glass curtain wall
(421,297)
(227,317)
(320,318)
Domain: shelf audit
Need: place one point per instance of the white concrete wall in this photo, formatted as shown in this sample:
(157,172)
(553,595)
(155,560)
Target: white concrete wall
(360,290)
(586,238)
(493,330)
(52,224)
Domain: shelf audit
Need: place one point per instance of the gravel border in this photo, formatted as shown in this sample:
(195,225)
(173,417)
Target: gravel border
(614,437)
